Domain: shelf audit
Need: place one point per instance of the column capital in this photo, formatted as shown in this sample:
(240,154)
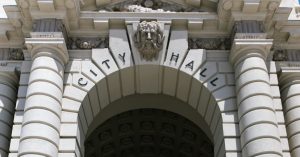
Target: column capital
(245,48)
(48,38)
(289,73)
(48,44)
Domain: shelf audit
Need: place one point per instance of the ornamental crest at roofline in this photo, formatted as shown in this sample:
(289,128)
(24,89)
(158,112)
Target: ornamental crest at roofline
(149,6)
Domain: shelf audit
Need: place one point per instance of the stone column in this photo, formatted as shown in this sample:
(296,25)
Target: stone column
(8,89)
(289,80)
(257,119)
(41,120)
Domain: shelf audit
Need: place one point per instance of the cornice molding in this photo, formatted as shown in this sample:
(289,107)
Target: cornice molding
(274,15)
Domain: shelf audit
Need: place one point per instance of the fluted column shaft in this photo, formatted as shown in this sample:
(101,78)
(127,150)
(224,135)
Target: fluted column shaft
(289,81)
(41,120)
(257,119)
(8,90)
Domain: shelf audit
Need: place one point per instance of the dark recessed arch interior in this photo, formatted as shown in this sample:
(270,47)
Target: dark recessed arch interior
(152,101)
(148,133)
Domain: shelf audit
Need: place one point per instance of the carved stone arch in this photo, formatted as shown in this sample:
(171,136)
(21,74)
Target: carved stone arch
(204,99)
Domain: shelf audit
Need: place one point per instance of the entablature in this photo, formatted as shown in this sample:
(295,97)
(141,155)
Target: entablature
(210,23)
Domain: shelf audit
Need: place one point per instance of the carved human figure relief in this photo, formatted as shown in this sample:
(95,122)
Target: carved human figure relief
(149,39)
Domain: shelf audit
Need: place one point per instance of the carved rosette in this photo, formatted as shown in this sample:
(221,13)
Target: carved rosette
(88,43)
(11,54)
(149,39)
(280,55)
(16,54)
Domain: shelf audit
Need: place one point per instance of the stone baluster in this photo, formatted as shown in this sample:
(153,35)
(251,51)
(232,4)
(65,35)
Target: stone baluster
(289,80)
(257,119)
(8,91)
(41,121)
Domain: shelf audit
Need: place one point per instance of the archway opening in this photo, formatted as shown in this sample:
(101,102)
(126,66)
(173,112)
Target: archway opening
(148,133)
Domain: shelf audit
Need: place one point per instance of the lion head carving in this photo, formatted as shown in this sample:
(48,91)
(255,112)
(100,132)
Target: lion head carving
(149,39)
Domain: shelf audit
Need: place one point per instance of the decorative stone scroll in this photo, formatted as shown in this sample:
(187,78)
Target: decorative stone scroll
(88,43)
(16,54)
(149,39)
(280,55)
(286,55)
(11,54)
(210,43)
(148,6)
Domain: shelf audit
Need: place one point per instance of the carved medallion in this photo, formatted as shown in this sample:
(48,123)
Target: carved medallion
(88,43)
(16,54)
(11,54)
(149,39)
(280,55)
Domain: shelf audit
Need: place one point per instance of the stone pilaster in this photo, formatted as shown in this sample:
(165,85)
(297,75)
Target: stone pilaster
(257,119)
(8,91)
(289,80)
(41,121)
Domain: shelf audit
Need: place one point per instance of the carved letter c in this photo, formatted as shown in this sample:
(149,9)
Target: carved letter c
(82,83)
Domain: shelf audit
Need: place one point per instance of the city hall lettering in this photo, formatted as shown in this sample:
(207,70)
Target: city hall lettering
(149,78)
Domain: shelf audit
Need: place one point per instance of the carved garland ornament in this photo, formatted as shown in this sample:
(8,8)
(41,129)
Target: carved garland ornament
(148,6)
(149,39)
(210,43)
(16,54)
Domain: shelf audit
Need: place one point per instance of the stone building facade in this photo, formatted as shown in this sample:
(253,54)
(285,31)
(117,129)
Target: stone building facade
(149,78)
